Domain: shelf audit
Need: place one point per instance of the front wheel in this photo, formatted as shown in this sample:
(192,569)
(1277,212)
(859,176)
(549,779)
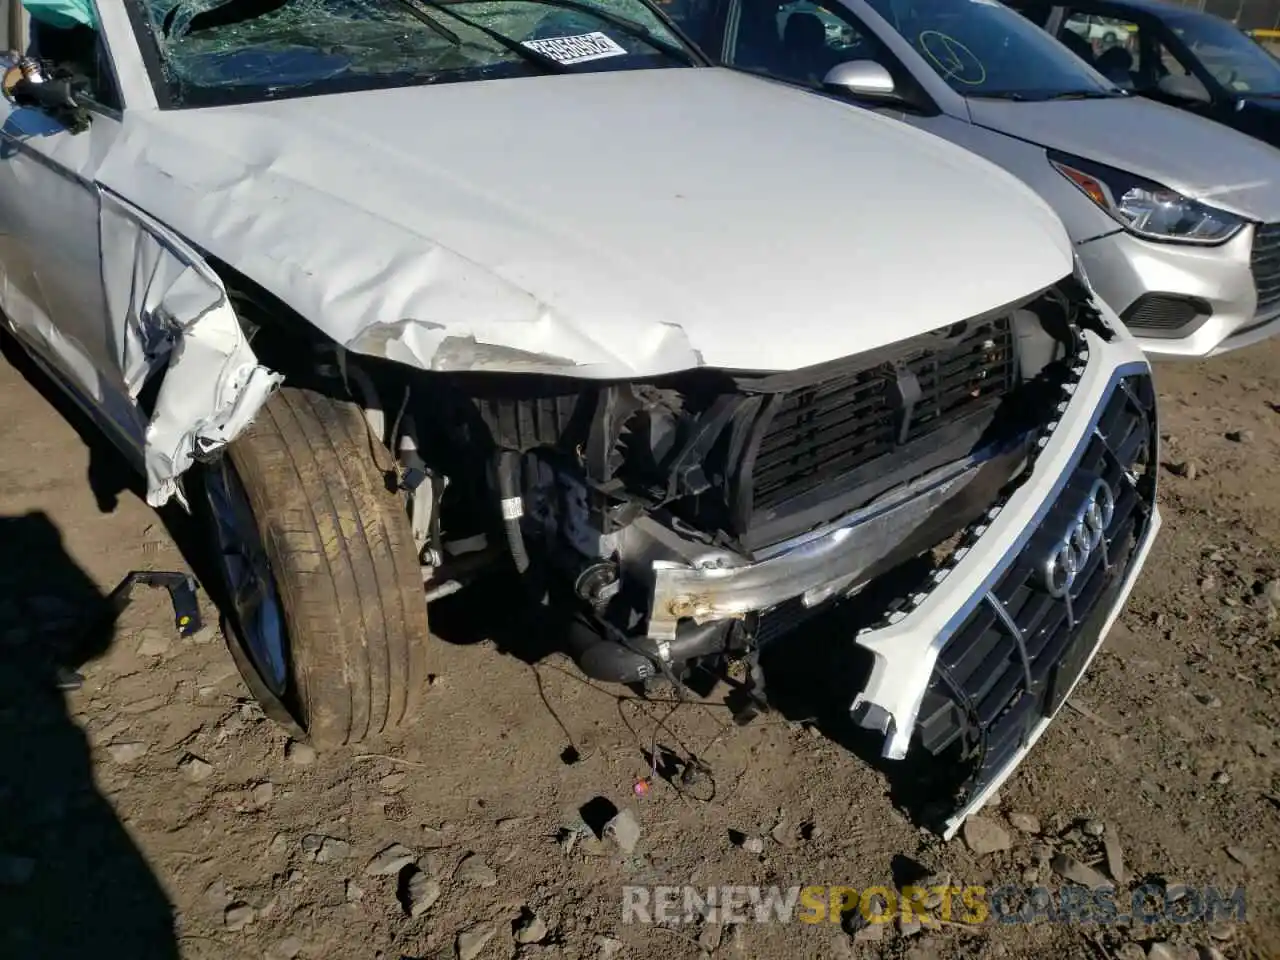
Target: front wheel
(323,590)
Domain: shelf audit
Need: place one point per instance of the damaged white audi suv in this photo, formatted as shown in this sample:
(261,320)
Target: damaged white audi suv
(397,293)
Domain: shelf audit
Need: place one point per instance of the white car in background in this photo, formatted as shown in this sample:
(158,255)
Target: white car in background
(408,292)
(1175,218)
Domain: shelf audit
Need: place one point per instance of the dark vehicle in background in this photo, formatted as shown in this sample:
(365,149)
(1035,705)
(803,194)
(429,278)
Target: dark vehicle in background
(1172,54)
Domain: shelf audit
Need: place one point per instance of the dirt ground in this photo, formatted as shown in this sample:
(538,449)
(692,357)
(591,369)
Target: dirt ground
(154,812)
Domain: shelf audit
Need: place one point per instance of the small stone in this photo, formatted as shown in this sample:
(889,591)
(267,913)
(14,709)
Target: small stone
(1115,859)
(753,845)
(985,836)
(1094,828)
(475,871)
(286,949)
(1069,868)
(781,833)
(1163,951)
(216,895)
(1271,594)
(1243,857)
(993,802)
(1210,700)
(608,947)
(872,932)
(418,891)
(1209,952)
(325,849)
(195,769)
(1129,951)
(238,916)
(709,937)
(624,830)
(1208,584)
(909,928)
(1186,469)
(262,794)
(1240,436)
(127,752)
(1222,778)
(1025,823)
(300,754)
(392,782)
(1030,875)
(155,643)
(472,940)
(433,837)
(1175,890)
(354,892)
(1220,930)
(532,929)
(430,864)
(390,860)
(16,871)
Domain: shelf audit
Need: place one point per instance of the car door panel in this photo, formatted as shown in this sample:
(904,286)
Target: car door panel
(51,257)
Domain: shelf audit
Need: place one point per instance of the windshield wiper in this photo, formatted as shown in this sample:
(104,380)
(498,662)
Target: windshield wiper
(1000,95)
(1086,95)
(546,63)
(628,26)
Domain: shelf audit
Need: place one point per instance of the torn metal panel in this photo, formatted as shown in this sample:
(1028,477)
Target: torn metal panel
(170,316)
(516,245)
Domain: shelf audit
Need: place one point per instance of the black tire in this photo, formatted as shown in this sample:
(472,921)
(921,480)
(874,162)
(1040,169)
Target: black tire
(341,554)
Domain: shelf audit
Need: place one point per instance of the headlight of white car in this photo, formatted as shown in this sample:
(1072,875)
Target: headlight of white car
(1147,208)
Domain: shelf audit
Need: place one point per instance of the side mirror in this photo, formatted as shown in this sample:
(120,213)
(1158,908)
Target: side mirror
(864,79)
(1184,87)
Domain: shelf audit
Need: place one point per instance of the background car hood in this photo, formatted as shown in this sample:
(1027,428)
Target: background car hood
(1190,154)
(601,225)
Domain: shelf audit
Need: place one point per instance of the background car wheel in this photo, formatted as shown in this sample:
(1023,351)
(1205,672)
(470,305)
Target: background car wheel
(323,590)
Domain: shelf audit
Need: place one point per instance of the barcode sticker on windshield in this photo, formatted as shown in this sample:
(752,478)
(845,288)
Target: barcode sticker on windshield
(579,49)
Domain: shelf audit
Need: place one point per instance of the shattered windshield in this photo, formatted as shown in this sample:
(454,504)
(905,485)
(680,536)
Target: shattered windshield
(233,51)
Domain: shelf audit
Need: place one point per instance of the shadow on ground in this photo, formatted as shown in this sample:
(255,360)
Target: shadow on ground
(72,883)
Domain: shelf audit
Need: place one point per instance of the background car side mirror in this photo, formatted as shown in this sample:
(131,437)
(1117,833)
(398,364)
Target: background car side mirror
(27,86)
(864,79)
(1184,87)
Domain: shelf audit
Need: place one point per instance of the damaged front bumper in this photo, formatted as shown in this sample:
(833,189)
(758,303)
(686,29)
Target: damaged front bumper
(977,663)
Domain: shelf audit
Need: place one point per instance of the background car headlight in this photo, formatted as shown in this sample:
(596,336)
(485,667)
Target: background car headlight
(1144,207)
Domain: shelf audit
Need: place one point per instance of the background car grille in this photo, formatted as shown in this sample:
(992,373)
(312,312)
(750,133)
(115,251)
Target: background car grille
(1266,266)
(825,430)
(992,685)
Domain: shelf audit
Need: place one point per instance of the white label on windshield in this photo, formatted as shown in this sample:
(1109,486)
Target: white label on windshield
(579,49)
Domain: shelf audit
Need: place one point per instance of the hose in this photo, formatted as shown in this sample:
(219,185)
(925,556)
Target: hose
(512,504)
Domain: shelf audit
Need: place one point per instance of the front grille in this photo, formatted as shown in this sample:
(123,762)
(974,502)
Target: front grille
(1265,263)
(823,431)
(1011,661)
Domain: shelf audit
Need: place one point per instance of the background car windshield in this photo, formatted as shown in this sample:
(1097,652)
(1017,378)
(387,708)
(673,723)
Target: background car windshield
(1237,62)
(245,50)
(982,48)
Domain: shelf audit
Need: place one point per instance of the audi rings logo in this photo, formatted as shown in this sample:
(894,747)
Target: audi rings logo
(1060,569)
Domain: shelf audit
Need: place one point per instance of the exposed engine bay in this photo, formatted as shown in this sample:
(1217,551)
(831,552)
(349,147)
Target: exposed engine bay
(693,515)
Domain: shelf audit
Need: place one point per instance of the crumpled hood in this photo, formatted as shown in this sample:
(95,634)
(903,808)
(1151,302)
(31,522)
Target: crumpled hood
(603,225)
(1195,156)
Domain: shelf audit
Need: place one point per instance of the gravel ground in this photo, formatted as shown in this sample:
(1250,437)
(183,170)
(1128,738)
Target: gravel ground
(154,812)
